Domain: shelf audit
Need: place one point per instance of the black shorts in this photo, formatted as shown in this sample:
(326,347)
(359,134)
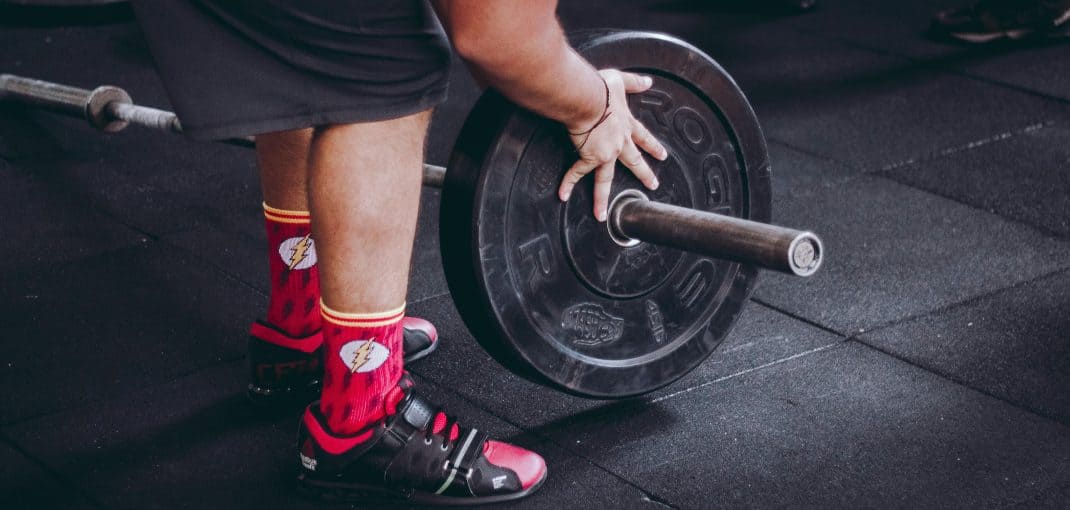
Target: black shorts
(242,67)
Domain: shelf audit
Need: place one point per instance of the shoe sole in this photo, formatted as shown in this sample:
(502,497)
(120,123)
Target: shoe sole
(351,493)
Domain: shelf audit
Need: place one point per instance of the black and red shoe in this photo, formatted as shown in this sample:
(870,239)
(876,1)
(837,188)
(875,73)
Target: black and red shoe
(285,369)
(416,456)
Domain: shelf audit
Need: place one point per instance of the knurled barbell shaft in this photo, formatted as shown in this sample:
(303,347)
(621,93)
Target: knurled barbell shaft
(769,246)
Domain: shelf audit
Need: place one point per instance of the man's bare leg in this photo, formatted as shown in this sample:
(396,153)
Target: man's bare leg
(364,188)
(293,307)
(282,158)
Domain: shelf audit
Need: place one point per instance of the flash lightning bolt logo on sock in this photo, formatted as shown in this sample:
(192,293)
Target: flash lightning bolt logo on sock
(363,355)
(298,252)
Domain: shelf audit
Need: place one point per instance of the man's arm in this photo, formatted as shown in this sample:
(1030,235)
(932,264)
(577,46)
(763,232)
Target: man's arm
(519,48)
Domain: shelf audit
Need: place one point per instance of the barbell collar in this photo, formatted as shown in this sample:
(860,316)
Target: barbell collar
(635,218)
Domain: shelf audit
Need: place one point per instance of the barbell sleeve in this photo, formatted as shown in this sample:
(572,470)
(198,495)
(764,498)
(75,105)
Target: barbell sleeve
(152,118)
(769,246)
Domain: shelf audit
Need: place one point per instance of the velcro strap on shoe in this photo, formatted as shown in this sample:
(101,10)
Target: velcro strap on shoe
(418,413)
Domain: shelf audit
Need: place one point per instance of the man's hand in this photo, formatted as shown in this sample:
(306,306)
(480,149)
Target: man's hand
(619,136)
(518,47)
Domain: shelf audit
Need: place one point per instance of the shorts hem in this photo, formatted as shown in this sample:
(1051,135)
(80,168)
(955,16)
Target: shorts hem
(250,127)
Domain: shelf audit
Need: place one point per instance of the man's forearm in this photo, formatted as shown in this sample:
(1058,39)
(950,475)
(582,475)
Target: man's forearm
(519,48)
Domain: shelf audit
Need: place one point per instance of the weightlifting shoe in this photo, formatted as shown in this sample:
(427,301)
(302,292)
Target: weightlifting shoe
(284,369)
(992,20)
(418,455)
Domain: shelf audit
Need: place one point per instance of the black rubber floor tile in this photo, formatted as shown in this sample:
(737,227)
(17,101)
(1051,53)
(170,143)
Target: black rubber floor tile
(198,443)
(796,173)
(894,252)
(792,75)
(865,126)
(22,137)
(851,104)
(845,428)
(1037,64)
(761,337)
(1025,177)
(164,185)
(44,224)
(893,27)
(1054,497)
(1040,65)
(242,254)
(24,485)
(106,325)
(1012,344)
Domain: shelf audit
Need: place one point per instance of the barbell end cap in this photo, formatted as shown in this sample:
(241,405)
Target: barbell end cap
(805,254)
(97,112)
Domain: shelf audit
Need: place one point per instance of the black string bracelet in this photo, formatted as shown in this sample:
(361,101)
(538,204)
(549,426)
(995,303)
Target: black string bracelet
(605,115)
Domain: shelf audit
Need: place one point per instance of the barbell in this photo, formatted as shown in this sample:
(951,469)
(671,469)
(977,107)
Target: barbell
(605,310)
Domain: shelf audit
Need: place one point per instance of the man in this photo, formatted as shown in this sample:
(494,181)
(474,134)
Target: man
(338,94)
(994,20)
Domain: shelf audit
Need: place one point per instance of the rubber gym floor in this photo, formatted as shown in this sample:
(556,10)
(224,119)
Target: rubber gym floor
(926,365)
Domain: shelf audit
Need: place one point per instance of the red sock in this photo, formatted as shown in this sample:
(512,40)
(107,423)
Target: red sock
(363,364)
(295,283)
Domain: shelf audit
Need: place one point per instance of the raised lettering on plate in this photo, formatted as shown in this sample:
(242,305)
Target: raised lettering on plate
(695,285)
(537,256)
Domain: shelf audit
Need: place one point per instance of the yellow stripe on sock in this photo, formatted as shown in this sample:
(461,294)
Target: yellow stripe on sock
(287,219)
(363,320)
(285,216)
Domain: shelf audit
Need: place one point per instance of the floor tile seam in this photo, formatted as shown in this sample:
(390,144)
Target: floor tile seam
(946,152)
(800,318)
(86,202)
(773,140)
(711,382)
(211,263)
(1039,229)
(52,473)
(923,158)
(925,64)
(647,492)
(868,330)
(85,404)
(960,382)
(641,402)
(548,439)
(883,173)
